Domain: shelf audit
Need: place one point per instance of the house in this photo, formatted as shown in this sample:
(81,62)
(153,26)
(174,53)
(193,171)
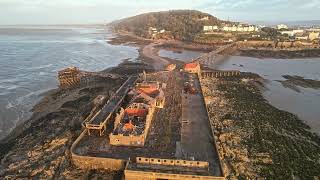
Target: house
(301,37)
(253,28)
(255,35)
(207,28)
(313,35)
(246,28)
(292,32)
(171,67)
(298,31)
(162,31)
(205,18)
(314,30)
(210,28)
(153,31)
(193,67)
(282,26)
(289,33)
(234,28)
(240,28)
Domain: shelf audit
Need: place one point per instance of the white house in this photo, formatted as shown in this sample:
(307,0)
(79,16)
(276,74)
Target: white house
(292,32)
(289,33)
(210,28)
(282,26)
(313,35)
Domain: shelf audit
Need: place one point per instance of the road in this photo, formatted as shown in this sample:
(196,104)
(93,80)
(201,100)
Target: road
(196,136)
(150,52)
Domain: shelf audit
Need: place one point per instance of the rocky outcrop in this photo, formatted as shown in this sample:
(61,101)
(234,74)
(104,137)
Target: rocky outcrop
(39,148)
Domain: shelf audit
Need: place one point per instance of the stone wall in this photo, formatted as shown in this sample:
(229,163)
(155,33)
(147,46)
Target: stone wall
(217,74)
(127,140)
(214,139)
(132,140)
(87,162)
(144,175)
(172,162)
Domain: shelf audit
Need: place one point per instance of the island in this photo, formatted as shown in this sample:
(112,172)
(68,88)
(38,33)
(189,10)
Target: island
(162,118)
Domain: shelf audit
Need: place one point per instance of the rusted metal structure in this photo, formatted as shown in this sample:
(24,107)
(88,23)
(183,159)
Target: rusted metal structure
(69,77)
(131,125)
(72,76)
(99,120)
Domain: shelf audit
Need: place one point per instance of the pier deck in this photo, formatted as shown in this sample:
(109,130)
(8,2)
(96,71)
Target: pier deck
(98,122)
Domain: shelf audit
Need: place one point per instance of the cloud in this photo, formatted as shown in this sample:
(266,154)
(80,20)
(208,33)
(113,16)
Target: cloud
(91,11)
(263,10)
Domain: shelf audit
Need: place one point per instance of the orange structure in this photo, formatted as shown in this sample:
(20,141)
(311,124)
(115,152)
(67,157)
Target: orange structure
(69,77)
(128,126)
(148,88)
(193,67)
(132,124)
(171,67)
(138,110)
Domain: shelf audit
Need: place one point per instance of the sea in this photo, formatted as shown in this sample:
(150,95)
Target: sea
(304,103)
(30,57)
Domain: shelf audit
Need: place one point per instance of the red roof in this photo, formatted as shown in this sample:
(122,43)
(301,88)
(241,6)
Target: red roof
(136,112)
(191,65)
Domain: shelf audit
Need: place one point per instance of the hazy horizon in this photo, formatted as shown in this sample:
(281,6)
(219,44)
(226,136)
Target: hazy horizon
(64,12)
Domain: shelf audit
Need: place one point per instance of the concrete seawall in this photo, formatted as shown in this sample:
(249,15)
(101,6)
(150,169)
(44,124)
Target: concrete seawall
(212,131)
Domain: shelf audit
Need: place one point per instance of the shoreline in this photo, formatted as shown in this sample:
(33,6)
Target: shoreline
(120,40)
(148,53)
(278,54)
(57,118)
(55,123)
(255,139)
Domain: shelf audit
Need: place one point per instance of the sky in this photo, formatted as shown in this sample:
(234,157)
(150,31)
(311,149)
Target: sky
(14,12)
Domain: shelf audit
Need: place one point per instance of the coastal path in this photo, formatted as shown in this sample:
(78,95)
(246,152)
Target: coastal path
(210,59)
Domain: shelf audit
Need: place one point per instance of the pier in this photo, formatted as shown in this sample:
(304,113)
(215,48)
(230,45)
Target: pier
(72,76)
(211,58)
(100,119)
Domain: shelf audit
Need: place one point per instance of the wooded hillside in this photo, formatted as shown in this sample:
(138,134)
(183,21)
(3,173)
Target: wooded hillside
(183,24)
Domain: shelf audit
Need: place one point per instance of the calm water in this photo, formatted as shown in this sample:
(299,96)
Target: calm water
(31,56)
(305,104)
(184,55)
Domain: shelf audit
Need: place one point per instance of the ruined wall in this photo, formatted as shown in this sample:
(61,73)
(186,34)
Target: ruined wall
(144,175)
(172,162)
(127,140)
(118,117)
(217,74)
(134,140)
(87,162)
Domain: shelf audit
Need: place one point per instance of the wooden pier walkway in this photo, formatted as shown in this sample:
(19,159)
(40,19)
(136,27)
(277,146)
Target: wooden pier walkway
(100,119)
(209,59)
